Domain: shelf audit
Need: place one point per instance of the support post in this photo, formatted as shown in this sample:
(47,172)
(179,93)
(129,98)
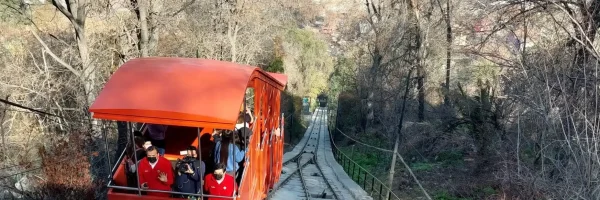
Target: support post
(393,165)
(199,153)
(137,175)
(105,135)
(392,168)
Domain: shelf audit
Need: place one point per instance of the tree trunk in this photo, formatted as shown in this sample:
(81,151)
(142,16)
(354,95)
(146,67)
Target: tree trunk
(76,12)
(448,51)
(420,79)
(420,54)
(142,8)
(232,31)
(88,75)
(373,72)
(153,26)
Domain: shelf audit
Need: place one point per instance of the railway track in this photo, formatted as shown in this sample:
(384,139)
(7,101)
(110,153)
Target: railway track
(304,174)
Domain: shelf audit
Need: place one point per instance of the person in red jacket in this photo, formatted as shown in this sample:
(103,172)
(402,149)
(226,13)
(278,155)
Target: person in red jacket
(219,183)
(155,173)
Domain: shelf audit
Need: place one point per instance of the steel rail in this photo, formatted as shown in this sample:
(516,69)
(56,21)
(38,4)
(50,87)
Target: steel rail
(296,159)
(317,125)
(319,167)
(316,148)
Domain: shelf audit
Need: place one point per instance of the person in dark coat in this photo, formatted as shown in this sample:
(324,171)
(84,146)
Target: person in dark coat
(133,152)
(189,174)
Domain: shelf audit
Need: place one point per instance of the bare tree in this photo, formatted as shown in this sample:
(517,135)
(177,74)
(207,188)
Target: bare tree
(446,13)
(76,12)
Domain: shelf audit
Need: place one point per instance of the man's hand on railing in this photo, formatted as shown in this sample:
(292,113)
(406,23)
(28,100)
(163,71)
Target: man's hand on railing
(144,186)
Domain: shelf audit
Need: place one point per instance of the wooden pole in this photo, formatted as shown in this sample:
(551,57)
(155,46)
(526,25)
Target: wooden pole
(391,175)
(393,165)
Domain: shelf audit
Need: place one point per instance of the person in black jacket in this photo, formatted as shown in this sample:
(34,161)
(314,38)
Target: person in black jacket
(190,172)
(131,165)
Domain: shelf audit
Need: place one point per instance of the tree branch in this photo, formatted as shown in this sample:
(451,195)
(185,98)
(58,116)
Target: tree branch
(60,61)
(187,4)
(63,9)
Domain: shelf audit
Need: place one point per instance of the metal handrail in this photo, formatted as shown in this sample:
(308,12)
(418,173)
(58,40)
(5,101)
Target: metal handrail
(120,159)
(170,192)
(337,150)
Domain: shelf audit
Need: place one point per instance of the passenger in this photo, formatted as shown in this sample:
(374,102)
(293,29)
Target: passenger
(243,120)
(147,144)
(199,164)
(137,134)
(226,155)
(246,119)
(156,173)
(244,136)
(132,162)
(156,134)
(190,171)
(219,183)
(216,135)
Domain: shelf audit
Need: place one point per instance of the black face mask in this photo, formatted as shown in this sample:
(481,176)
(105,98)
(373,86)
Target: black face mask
(218,176)
(152,159)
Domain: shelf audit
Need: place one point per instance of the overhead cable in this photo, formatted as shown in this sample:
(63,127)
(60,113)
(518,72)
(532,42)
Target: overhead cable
(371,146)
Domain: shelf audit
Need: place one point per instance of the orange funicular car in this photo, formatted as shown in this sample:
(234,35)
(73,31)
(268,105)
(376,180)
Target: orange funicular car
(193,97)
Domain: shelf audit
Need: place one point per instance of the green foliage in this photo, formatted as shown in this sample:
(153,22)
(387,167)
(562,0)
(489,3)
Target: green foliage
(480,71)
(275,66)
(422,166)
(343,76)
(368,160)
(307,58)
(488,191)
(348,116)
(480,112)
(294,128)
(486,72)
(14,12)
(450,158)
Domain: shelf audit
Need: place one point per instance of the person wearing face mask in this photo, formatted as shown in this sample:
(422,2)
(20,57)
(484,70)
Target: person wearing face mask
(155,173)
(219,183)
(226,150)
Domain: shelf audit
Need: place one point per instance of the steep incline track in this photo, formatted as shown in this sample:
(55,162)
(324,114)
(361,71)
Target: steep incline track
(307,171)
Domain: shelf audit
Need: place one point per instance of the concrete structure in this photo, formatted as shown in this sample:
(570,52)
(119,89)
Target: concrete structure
(320,177)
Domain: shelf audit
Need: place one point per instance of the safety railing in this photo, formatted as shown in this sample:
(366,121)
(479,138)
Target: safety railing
(365,179)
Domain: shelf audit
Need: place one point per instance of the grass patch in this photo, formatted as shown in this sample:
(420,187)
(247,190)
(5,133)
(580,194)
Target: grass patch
(487,191)
(422,166)
(450,158)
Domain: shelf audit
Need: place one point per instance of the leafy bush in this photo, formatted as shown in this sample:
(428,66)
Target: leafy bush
(275,66)
(66,171)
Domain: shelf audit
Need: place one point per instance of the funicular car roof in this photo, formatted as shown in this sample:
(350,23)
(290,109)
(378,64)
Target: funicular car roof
(179,91)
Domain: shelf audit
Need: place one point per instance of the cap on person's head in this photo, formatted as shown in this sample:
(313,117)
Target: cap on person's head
(151,148)
(147,144)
